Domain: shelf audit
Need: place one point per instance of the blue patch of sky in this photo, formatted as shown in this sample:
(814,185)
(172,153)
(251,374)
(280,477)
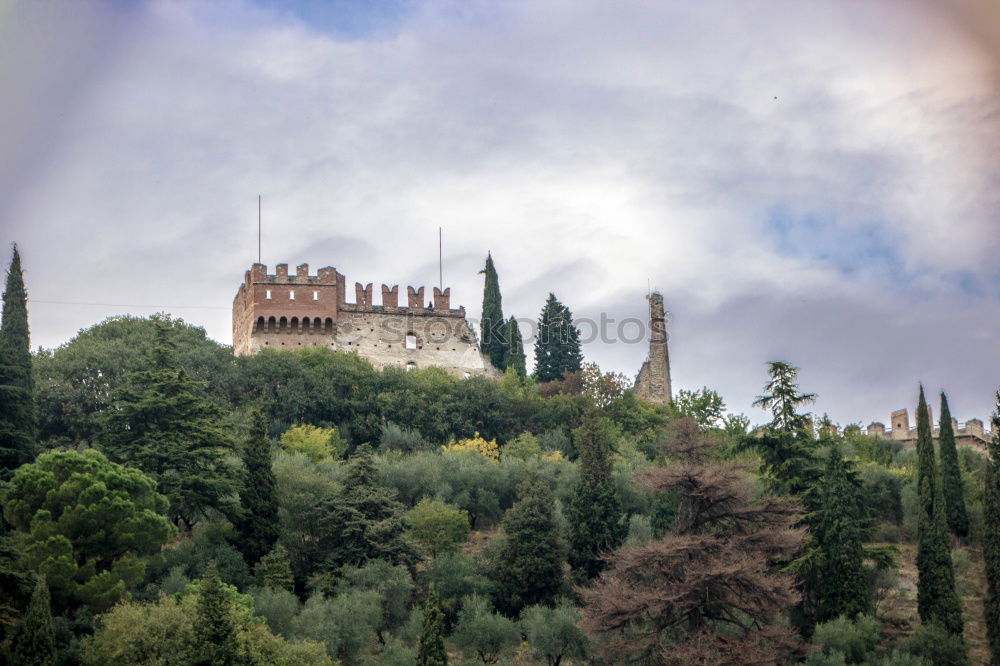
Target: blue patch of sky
(350,18)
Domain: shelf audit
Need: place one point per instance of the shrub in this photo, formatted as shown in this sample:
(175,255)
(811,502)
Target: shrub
(396,438)
(438,527)
(553,633)
(346,623)
(486,448)
(277,607)
(483,633)
(935,644)
(524,447)
(316,443)
(853,639)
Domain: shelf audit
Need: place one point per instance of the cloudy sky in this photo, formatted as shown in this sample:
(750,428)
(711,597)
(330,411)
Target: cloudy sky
(811,181)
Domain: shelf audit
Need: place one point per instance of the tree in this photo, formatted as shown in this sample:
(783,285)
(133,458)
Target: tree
(597,525)
(493,327)
(833,565)
(34,643)
(259,523)
(431,650)
(86,524)
(529,569)
(484,633)
(515,348)
(162,423)
(557,347)
(705,406)
(991,539)
(708,592)
(937,599)
(275,570)
(438,527)
(784,445)
(553,633)
(316,443)
(951,475)
(17,384)
(214,629)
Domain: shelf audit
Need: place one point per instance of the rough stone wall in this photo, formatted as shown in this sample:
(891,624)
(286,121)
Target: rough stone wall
(653,381)
(266,316)
(970,434)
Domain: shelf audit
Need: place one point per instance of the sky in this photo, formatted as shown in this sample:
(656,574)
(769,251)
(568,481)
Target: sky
(810,181)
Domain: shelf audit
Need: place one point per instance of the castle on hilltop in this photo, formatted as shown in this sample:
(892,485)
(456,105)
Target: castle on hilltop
(971,433)
(282,311)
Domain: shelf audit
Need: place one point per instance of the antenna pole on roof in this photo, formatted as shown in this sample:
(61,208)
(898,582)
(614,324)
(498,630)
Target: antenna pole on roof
(440,263)
(258,228)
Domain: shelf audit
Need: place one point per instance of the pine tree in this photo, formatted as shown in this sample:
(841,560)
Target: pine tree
(162,423)
(259,526)
(515,348)
(493,326)
(991,540)
(17,384)
(937,600)
(594,511)
(275,570)
(557,349)
(951,476)
(529,569)
(214,628)
(836,534)
(431,650)
(34,643)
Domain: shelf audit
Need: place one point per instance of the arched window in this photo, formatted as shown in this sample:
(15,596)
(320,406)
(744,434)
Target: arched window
(294,324)
(411,366)
(259,325)
(272,325)
(283,325)
(328,328)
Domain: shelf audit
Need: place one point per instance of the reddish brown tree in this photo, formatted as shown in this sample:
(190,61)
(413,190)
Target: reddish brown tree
(710,592)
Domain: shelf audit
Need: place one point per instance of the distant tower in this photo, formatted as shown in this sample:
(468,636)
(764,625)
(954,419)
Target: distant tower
(653,382)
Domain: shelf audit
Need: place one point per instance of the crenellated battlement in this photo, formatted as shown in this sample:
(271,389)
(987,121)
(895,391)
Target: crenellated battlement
(258,274)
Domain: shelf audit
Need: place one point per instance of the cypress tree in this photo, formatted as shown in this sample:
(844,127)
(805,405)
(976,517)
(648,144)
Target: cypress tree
(951,476)
(431,650)
(493,326)
(17,383)
(937,600)
(259,498)
(515,348)
(594,511)
(991,540)
(557,349)
(34,643)
(214,626)
(529,569)
(837,535)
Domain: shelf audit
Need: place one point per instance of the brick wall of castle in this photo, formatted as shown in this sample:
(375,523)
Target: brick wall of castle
(282,311)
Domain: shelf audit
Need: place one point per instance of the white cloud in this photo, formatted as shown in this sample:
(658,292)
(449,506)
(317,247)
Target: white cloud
(591,146)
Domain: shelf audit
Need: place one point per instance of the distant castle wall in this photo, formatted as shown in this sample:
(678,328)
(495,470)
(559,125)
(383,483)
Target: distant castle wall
(282,311)
(971,433)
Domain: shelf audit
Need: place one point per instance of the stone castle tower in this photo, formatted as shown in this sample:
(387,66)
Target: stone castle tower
(653,382)
(291,311)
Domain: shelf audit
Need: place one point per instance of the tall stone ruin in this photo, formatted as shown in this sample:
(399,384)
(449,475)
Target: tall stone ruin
(653,382)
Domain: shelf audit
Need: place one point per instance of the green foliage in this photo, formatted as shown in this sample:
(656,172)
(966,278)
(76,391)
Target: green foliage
(937,599)
(991,539)
(514,358)
(258,499)
(396,438)
(783,398)
(883,494)
(34,644)
(346,623)
(274,570)
(214,629)
(853,639)
(76,381)
(524,447)
(705,406)
(277,606)
(938,645)
(529,569)
(315,443)
(557,345)
(207,542)
(597,524)
(438,527)
(553,633)
(493,326)
(835,577)
(430,651)
(484,633)
(951,475)
(17,382)
(394,586)
(161,423)
(86,523)
(456,576)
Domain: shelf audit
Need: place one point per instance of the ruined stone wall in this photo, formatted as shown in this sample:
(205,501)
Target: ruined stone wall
(653,382)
